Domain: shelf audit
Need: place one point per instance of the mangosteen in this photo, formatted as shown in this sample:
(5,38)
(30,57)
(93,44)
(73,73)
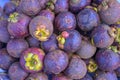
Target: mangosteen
(87,19)
(15,47)
(18,25)
(41,28)
(69,40)
(61,77)
(76,69)
(15,72)
(65,21)
(5,59)
(56,61)
(37,76)
(31,60)
(107,60)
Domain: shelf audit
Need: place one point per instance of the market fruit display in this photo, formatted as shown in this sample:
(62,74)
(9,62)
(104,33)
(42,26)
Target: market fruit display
(59,39)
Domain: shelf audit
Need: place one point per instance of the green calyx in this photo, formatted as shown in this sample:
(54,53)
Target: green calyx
(33,62)
(104,3)
(113,48)
(61,39)
(75,1)
(92,41)
(117,38)
(13,17)
(92,66)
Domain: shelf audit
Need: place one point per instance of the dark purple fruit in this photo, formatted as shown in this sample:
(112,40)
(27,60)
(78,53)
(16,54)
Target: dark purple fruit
(117,71)
(77,68)
(107,60)
(4,76)
(69,40)
(37,76)
(87,19)
(86,77)
(61,77)
(5,59)
(105,76)
(102,36)
(4,35)
(65,21)
(61,6)
(56,61)
(18,25)
(31,60)
(15,72)
(109,11)
(9,8)
(50,44)
(48,14)
(77,5)
(87,50)
(15,47)
(41,28)
(33,42)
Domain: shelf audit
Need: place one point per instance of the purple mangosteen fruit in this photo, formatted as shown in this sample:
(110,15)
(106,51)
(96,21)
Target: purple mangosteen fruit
(50,44)
(61,77)
(15,72)
(31,60)
(65,21)
(5,59)
(18,25)
(15,47)
(77,68)
(87,19)
(77,5)
(37,76)
(69,40)
(107,60)
(55,61)
(41,28)
(102,36)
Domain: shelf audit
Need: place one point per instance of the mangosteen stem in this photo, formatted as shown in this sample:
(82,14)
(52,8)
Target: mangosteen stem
(13,17)
(113,48)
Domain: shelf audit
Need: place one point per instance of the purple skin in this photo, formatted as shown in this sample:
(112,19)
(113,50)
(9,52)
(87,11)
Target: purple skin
(37,24)
(33,42)
(105,76)
(52,42)
(37,76)
(56,61)
(4,76)
(9,8)
(76,69)
(5,59)
(87,50)
(77,5)
(101,36)
(109,11)
(61,77)
(107,60)
(72,42)
(86,77)
(3,30)
(61,6)
(65,21)
(87,19)
(117,71)
(48,14)
(19,28)
(30,7)
(15,47)
(15,72)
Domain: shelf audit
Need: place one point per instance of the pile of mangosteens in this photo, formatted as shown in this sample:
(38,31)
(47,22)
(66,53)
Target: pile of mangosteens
(59,39)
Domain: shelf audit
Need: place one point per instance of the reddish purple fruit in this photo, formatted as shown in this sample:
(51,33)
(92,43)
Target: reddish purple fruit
(107,60)
(18,25)
(65,21)
(15,47)
(37,76)
(61,77)
(77,5)
(41,28)
(56,61)
(77,68)
(31,60)
(15,72)
(5,59)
